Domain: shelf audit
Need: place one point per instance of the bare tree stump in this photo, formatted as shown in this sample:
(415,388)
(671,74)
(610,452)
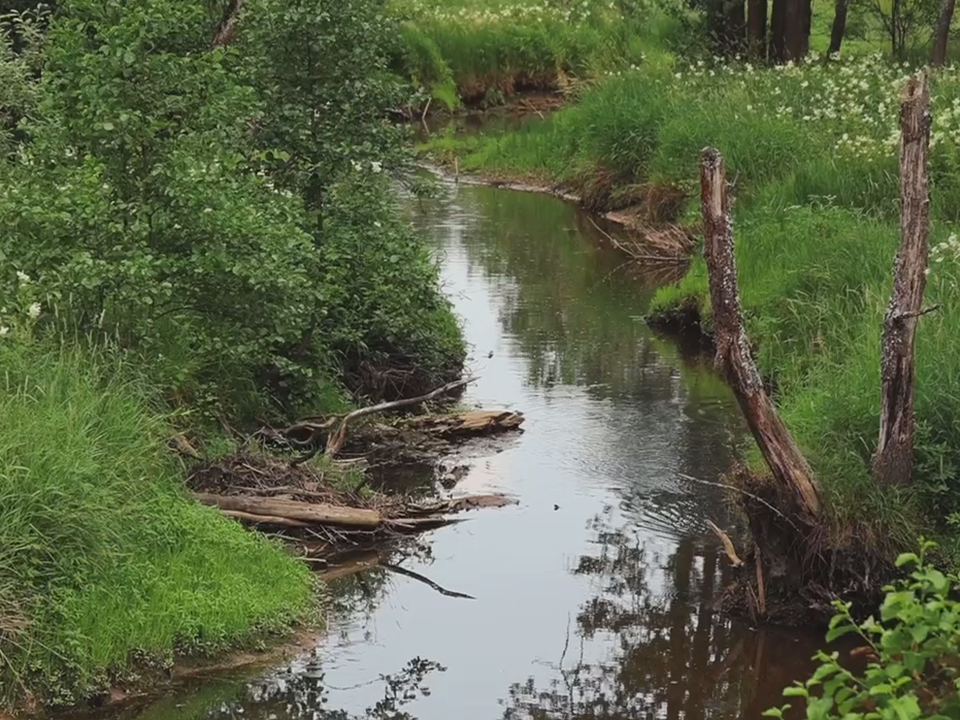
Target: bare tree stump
(734,359)
(893,461)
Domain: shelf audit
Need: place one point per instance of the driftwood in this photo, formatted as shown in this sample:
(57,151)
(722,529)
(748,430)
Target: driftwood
(313,513)
(787,464)
(336,438)
(472,422)
(893,461)
(297,514)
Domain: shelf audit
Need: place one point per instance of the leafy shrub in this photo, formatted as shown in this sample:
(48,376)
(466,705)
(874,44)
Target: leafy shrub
(915,647)
(181,198)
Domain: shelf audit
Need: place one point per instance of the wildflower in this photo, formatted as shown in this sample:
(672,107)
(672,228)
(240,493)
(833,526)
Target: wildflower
(376,166)
(33,312)
(23,278)
(4,330)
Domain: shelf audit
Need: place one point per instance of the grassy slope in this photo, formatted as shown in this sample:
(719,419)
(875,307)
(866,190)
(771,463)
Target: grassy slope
(481,51)
(101,552)
(813,153)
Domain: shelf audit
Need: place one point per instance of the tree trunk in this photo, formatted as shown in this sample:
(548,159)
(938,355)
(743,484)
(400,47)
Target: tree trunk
(777,39)
(839,26)
(229,24)
(893,461)
(736,26)
(787,464)
(790,30)
(943,33)
(757,28)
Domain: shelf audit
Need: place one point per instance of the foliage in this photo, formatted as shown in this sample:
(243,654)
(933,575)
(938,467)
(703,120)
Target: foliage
(913,672)
(175,196)
(102,555)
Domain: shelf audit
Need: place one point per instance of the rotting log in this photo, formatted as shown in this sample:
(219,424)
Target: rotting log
(315,513)
(893,460)
(734,359)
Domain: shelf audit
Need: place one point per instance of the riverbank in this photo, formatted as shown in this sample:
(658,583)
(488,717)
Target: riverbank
(811,152)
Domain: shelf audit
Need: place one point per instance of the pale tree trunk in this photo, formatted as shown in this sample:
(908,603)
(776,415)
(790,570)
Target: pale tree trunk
(893,461)
(789,468)
(943,33)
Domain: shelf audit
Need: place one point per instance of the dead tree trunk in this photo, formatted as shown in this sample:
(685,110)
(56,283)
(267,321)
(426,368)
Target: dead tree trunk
(943,33)
(757,28)
(787,464)
(893,461)
(839,28)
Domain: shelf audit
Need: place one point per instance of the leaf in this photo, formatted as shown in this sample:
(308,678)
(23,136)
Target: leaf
(905,558)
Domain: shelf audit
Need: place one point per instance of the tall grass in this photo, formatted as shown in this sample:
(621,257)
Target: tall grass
(102,554)
(483,51)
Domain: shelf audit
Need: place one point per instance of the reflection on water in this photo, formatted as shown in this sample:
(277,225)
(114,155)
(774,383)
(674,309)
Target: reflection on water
(593,596)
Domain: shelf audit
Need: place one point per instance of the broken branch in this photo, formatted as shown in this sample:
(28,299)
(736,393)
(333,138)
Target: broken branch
(734,358)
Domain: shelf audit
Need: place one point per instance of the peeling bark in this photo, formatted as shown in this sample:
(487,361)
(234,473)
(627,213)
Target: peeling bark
(734,359)
(893,461)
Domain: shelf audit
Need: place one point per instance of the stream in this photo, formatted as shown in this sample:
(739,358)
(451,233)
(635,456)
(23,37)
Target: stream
(593,595)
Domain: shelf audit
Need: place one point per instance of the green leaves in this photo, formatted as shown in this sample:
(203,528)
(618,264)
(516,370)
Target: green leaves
(916,645)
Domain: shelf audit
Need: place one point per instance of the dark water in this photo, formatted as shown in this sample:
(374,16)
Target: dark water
(593,595)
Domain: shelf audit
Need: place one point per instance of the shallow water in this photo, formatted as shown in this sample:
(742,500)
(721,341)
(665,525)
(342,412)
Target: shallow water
(592,596)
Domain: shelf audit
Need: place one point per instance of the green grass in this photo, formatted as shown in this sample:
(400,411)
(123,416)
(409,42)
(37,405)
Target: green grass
(102,555)
(483,51)
(812,151)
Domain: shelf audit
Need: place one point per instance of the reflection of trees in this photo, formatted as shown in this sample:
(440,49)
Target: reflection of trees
(297,694)
(670,655)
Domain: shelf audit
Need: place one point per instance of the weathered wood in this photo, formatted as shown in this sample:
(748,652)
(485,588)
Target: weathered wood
(734,359)
(893,461)
(317,513)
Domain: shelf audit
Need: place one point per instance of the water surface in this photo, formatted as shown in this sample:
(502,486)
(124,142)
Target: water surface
(593,595)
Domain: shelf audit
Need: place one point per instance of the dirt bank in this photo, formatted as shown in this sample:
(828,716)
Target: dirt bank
(642,226)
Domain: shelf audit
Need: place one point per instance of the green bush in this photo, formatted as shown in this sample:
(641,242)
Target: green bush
(915,649)
(184,200)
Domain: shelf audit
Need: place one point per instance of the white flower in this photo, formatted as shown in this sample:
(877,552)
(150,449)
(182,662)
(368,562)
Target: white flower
(23,277)
(376,166)
(4,330)
(34,311)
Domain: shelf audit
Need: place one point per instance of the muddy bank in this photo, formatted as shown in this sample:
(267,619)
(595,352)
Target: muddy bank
(641,222)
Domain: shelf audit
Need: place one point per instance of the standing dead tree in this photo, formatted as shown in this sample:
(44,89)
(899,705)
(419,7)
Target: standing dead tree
(734,358)
(893,461)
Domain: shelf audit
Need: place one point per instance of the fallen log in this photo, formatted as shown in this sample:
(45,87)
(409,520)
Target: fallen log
(312,513)
(735,361)
(893,461)
(473,422)
(297,514)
